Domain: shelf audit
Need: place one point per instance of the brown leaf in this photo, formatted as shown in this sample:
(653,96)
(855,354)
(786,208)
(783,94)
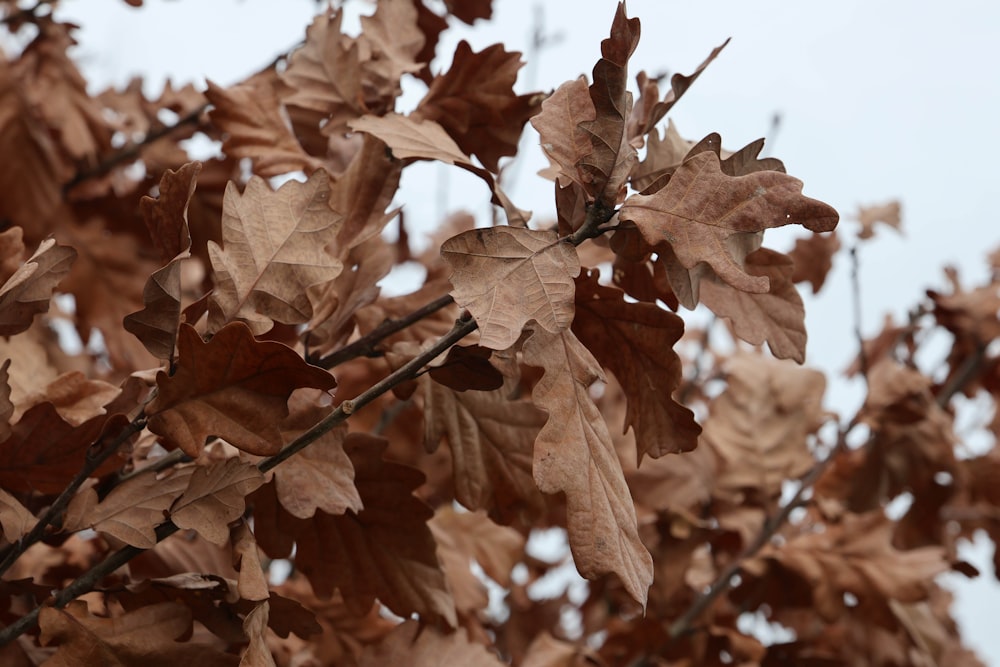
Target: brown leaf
(385,551)
(421,646)
(888,214)
(465,368)
(650,110)
(363,193)
(15,519)
(166,219)
(563,139)
(490,437)
(257,653)
(662,156)
(6,405)
(760,423)
(131,511)
(469,11)
(635,342)
(776,316)
(215,496)
(75,397)
(812,258)
(395,39)
(233,387)
(44,452)
(28,291)
(11,252)
(470,537)
(606,168)
(321,476)
(274,248)
(252,584)
(507,277)
(709,217)
(146,636)
(574,454)
(250,116)
(474,102)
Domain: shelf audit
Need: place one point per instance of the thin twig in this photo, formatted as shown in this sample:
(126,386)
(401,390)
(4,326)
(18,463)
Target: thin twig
(856,298)
(91,464)
(162,463)
(365,346)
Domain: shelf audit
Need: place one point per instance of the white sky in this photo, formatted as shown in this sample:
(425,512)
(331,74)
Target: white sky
(878,100)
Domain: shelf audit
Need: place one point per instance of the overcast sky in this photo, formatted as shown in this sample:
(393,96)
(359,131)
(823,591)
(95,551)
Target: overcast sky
(878,101)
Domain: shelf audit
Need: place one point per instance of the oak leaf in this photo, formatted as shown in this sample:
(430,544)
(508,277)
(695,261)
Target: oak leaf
(28,292)
(508,276)
(474,102)
(421,646)
(563,140)
(15,519)
(812,258)
(490,437)
(635,342)
(777,316)
(250,115)
(146,636)
(363,193)
(252,584)
(468,11)
(131,511)
(574,454)
(708,217)
(75,397)
(6,405)
(275,247)
(215,495)
(467,368)
(166,219)
(607,166)
(233,387)
(257,653)
(11,252)
(888,214)
(395,42)
(385,551)
(760,423)
(44,452)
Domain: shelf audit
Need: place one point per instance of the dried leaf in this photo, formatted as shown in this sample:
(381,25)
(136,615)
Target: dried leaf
(490,437)
(888,214)
(6,405)
(416,646)
(257,654)
(28,291)
(131,511)
(233,387)
(215,496)
(363,193)
(465,368)
(274,249)
(252,584)
(777,316)
(75,397)
(469,11)
(563,139)
(709,217)
(635,342)
(574,454)
(812,258)
(474,102)
(15,519)
(507,277)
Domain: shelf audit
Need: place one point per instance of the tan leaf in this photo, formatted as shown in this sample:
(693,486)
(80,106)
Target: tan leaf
(470,537)
(166,219)
(547,651)
(662,155)
(507,277)
(257,653)
(574,454)
(363,193)
(215,496)
(131,511)
(760,423)
(490,437)
(15,519)
(76,398)
(394,36)
(558,125)
(28,292)
(635,342)
(776,316)
(421,646)
(812,258)
(275,247)
(474,102)
(11,252)
(385,551)
(888,214)
(320,477)
(250,115)
(233,387)
(709,217)
(6,405)
(146,636)
(252,584)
